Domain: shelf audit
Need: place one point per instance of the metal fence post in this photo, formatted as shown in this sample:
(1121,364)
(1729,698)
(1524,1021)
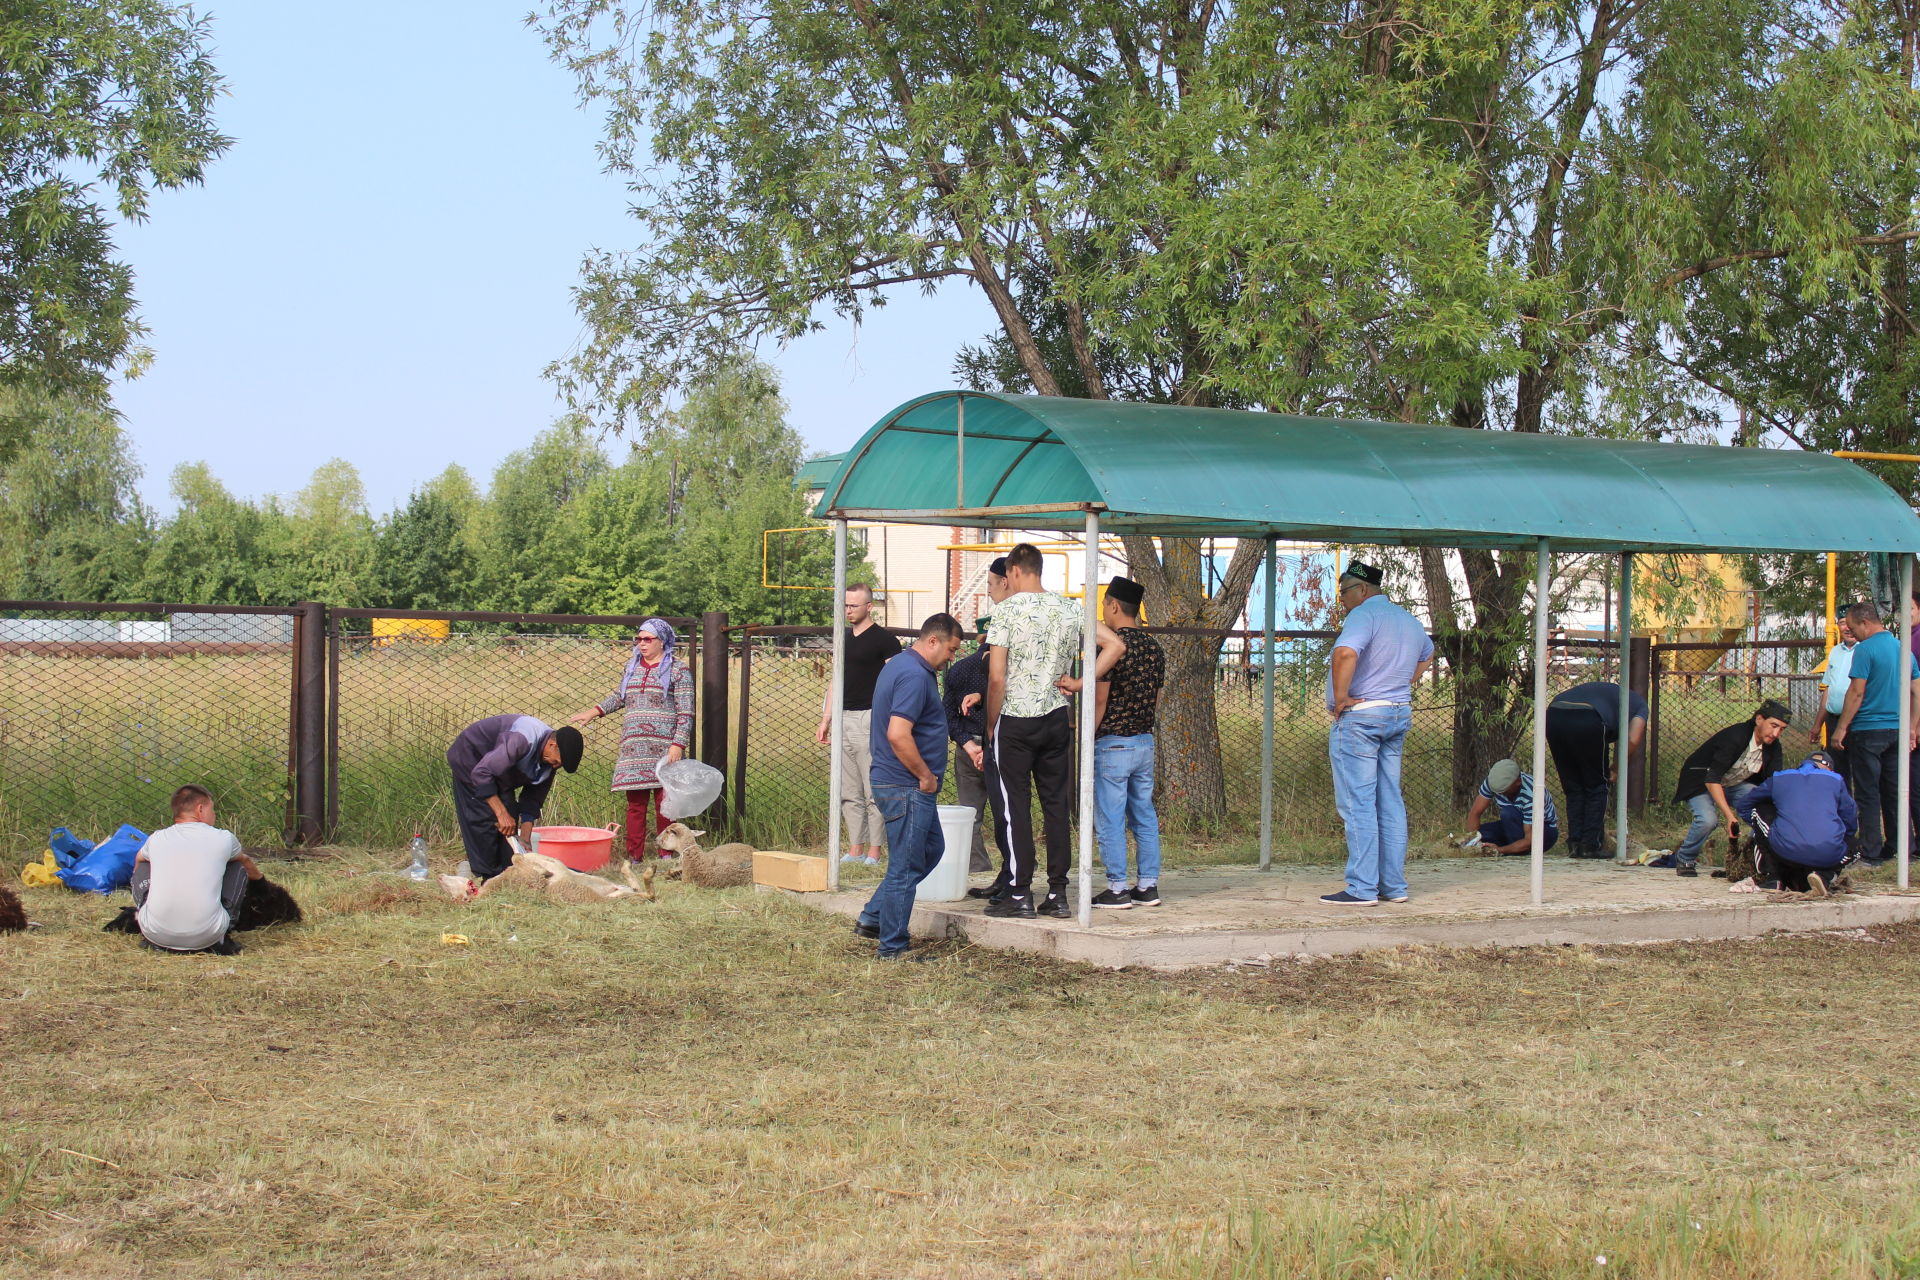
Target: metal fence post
(1639,664)
(713,695)
(1654,655)
(740,743)
(310,723)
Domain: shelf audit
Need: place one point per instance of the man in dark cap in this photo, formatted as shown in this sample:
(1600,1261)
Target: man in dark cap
(1382,650)
(503,767)
(1721,772)
(1125,702)
(1869,728)
(1802,820)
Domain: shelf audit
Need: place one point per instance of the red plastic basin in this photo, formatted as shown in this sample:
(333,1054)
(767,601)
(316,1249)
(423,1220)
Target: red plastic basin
(582,848)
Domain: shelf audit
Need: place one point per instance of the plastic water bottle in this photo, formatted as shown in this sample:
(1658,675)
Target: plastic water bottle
(418,867)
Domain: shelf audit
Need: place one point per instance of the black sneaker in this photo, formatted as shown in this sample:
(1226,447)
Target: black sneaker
(1146,895)
(1011,908)
(1056,906)
(1686,869)
(1121,901)
(865,930)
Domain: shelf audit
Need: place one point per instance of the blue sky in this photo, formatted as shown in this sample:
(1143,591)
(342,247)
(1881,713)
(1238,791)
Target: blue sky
(380,267)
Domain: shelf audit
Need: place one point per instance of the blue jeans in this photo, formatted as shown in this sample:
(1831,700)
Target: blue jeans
(1365,749)
(914,846)
(1706,820)
(1505,828)
(1123,801)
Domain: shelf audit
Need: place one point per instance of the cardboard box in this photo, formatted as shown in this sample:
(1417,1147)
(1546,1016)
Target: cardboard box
(794,871)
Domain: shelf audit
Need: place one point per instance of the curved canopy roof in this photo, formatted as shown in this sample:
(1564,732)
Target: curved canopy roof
(993,460)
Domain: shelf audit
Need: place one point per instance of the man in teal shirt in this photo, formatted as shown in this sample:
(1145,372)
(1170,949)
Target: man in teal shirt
(1870,730)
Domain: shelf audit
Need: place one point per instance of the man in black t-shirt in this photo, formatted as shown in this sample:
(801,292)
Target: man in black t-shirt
(1125,704)
(869,647)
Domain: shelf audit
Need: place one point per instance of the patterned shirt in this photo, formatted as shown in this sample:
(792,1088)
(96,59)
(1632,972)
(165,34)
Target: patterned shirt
(1133,687)
(1041,633)
(1521,806)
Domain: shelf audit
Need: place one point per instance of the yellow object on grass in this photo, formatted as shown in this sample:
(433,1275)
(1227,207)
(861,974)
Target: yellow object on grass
(455,940)
(36,874)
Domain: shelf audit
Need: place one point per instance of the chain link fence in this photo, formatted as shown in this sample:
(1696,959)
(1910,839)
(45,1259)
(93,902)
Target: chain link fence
(403,687)
(106,709)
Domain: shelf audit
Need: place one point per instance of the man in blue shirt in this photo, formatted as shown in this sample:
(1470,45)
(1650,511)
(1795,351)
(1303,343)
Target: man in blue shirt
(1835,680)
(1581,724)
(1869,727)
(1381,651)
(1801,819)
(909,740)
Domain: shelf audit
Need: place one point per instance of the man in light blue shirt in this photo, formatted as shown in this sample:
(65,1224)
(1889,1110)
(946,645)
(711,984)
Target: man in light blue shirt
(1834,683)
(1382,650)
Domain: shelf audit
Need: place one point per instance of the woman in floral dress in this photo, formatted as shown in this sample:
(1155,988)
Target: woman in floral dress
(656,698)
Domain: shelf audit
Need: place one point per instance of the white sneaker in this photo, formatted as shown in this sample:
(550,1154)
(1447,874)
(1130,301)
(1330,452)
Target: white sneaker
(847,857)
(871,861)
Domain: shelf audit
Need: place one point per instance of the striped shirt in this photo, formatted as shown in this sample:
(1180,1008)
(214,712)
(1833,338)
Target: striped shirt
(1521,806)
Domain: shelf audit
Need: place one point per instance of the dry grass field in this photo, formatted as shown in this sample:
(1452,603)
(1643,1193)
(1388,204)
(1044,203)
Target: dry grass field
(727,1085)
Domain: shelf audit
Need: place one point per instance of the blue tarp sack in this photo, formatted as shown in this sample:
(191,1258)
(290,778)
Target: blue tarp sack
(110,864)
(67,847)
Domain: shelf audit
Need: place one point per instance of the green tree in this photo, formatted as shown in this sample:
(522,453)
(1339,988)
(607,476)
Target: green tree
(1481,215)
(522,542)
(216,549)
(325,542)
(71,525)
(115,94)
(421,556)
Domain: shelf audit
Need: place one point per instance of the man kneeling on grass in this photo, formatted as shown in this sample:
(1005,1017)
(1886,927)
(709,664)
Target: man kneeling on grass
(908,735)
(1802,820)
(190,878)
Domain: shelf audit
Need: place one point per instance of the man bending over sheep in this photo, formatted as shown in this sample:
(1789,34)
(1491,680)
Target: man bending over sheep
(189,879)
(501,761)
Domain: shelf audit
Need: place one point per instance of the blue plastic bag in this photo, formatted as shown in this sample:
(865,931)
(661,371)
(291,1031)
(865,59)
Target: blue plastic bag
(109,865)
(67,847)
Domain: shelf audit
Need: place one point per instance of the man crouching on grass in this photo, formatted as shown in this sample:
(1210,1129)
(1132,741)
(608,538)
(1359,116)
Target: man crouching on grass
(190,879)
(909,740)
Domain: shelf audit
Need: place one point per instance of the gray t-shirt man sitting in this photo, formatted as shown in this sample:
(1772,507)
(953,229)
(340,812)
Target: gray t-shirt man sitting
(190,878)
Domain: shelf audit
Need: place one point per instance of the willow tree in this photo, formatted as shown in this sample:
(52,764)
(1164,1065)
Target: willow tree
(1416,211)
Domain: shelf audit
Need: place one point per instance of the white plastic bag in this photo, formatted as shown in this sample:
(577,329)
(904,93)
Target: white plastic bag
(690,787)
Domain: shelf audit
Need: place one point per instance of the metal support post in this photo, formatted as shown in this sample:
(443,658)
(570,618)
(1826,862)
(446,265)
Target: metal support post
(1621,766)
(713,700)
(836,695)
(310,732)
(1266,719)
(1905,791)
(1089,652)
(1543,560)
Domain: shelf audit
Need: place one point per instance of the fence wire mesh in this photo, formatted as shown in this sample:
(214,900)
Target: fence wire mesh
(400,694)
(104,712)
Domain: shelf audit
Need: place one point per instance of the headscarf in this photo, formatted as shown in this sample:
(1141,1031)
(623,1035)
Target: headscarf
(662,629)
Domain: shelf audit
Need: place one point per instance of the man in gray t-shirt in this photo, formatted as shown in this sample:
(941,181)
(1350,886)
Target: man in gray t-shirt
(190,878)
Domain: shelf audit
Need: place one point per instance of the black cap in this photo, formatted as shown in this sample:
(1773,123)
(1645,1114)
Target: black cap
(1773,709)
(571,745)
(1820,758)
(1360,571)
(999,567)
(1126,591)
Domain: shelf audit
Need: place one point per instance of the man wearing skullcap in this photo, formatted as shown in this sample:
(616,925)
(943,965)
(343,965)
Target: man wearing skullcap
(1802,821)
(1509,793)
(1382,650)
(1720,773)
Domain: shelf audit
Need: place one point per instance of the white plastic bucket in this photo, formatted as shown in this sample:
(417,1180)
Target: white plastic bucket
(948,883)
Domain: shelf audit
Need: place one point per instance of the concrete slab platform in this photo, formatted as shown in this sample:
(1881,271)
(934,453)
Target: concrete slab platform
(1213,915)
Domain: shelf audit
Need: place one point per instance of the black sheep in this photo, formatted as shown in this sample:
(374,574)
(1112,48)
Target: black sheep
(13,916)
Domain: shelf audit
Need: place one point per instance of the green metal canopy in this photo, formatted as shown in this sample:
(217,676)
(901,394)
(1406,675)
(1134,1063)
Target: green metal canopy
(992,460)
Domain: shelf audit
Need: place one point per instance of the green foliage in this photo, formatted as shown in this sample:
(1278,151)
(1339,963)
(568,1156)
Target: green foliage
(116,95)
(70,523)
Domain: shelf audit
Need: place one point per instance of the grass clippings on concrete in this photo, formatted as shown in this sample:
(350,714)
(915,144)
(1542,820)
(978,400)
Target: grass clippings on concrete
(727,1084)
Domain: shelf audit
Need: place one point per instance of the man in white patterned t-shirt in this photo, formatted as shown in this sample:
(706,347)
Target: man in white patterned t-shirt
(189,879)
(1035,636)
